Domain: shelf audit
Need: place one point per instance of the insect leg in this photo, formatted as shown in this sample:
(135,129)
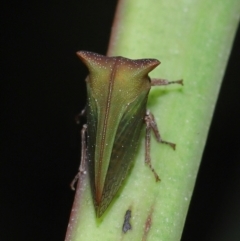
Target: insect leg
(152,125)
(150,119)
(81,169)
(147,147)
(155,82)
(78,116)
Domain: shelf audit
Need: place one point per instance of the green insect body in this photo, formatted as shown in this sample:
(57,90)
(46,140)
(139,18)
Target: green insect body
(117,90)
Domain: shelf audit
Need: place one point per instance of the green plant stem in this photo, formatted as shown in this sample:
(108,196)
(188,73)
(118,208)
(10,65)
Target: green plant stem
(192,39)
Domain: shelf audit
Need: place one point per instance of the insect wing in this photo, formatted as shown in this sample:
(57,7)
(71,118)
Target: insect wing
(124,149)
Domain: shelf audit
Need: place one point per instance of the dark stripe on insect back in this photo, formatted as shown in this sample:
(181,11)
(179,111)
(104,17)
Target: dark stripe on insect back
(102,148)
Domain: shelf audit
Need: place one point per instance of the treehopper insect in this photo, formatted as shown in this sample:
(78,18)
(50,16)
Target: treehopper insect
(117,90)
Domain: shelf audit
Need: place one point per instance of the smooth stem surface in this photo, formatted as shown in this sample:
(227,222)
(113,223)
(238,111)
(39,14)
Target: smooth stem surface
(192,39)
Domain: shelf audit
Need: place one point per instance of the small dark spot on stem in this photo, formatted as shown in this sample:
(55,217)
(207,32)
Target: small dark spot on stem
(148,225)
(126,224)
